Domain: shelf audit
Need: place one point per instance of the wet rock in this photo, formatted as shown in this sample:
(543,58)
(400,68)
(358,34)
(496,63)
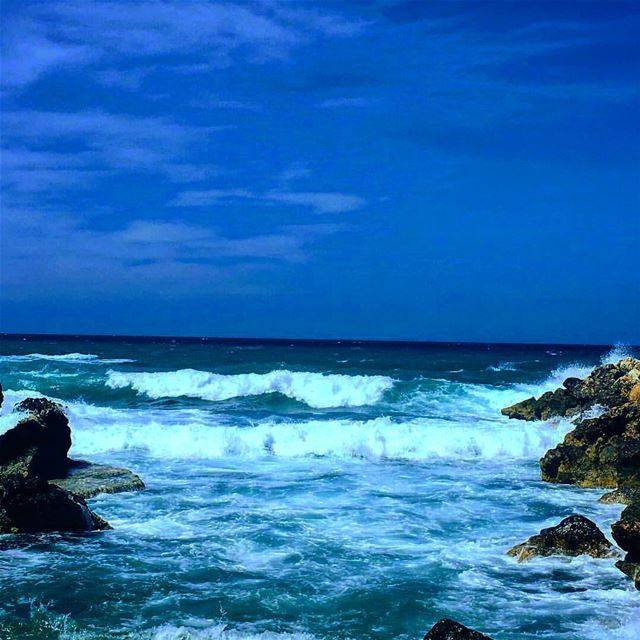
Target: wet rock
(87,479)
(574,536)
(624,495)
(37,405)
(630,569)
(609,385)
(1,395)
(38,444)
(32,505)
(599,452)
(447,629)
(626,532)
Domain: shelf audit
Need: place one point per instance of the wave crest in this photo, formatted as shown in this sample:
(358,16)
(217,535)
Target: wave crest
(317,390)
(64,357)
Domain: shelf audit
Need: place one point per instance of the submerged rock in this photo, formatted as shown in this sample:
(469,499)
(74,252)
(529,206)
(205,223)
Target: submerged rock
(447,629)
(87,479)
(32,505)
(574,536)
(38,444)
(609,385)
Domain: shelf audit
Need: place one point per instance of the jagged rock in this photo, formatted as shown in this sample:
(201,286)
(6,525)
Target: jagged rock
(87,479)
(609,385)
(626,532)
(37,405)
(625,495)
(38,444)
(599,452)
(630,569)
(574,536)
(32,505)
(447,629)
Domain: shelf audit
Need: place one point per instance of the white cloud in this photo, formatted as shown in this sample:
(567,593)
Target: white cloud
(319,201)
(333,103)
(217,33)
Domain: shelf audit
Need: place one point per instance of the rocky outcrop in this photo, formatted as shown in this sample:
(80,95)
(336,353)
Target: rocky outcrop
(624,495)
(87,479)
(599,452)
(602,451)
(610,385)
(447,629)
(32,505)
(37,446)
(41,489)
(574,536)
(626,532)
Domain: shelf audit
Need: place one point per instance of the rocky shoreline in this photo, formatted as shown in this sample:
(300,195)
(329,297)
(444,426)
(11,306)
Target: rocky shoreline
(602,451)
(41,489)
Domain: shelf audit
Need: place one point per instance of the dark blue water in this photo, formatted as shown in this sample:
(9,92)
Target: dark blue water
(307,490)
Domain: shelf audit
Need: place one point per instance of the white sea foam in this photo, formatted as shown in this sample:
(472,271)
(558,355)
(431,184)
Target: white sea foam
(64,357)
(195,434)
(317,390)
(215,631)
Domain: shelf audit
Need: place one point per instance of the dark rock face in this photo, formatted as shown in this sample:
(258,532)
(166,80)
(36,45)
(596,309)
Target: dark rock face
(599,452)
(574,536)
(626,532)
(625,495)
(38,444)
(610,385)
(447,629)
(32,505)
(87,479)
(37,405)
(630,569)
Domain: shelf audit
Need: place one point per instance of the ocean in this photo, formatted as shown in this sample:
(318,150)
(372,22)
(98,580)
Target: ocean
(307,490)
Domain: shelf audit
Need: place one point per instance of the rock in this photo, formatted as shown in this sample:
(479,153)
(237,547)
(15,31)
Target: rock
(631,569)
(38,444)
(609,385)
(1,395)
(626,532)
(625,495)
(447,629)
(87,479)
(32,505)
(599,452)
(574,536)
(37,405)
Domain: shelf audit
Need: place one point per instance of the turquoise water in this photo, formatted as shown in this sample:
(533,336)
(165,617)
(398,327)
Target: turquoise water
(297,490)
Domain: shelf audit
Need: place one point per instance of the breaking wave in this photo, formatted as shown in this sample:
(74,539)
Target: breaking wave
(64,357)
(317,390)
(196,434)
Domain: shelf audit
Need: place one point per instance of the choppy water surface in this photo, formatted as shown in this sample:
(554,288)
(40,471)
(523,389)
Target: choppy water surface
(307,491)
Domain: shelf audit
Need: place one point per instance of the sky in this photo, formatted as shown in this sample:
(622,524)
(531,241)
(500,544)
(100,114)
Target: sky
(373,169)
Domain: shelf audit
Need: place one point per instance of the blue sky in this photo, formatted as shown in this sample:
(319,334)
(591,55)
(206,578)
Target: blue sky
(370,169)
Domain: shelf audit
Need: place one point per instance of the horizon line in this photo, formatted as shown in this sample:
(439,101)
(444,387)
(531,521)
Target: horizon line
(105,337)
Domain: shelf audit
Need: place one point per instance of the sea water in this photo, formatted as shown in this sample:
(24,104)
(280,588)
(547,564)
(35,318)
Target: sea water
(301,490)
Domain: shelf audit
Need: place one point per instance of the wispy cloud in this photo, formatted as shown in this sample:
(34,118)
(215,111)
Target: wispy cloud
(333,103)
(47,36)
(62,254)
(96,142)
(318,201)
